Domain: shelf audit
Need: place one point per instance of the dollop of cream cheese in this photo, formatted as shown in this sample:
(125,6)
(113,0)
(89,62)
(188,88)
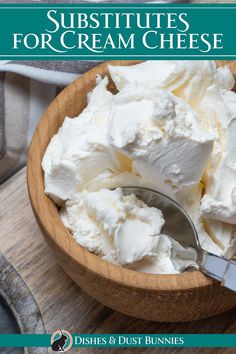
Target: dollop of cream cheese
(219,201)
(124,230)
(161,132)
(171,127)
(80,150)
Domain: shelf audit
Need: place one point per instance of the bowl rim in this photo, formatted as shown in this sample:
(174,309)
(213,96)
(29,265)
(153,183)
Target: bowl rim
(60,236)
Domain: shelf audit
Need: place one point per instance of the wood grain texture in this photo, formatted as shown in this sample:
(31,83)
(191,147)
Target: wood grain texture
(181,297)
(62,303)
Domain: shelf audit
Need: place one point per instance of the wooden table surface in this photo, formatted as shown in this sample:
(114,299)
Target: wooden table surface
(63,304)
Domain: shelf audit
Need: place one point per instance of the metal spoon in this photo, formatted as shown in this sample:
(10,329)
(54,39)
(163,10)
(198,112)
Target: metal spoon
(179,226)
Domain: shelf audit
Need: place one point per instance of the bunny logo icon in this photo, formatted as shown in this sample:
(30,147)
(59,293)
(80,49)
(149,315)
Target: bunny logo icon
(61,341)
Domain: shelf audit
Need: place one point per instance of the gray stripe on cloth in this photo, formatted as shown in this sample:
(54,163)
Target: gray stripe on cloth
(16,97)
(76,67)
(2,117)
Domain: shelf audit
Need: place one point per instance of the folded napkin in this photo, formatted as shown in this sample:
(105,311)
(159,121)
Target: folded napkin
(26,89)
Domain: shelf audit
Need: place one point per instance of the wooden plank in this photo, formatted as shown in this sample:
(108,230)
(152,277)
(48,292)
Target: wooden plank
(63,304)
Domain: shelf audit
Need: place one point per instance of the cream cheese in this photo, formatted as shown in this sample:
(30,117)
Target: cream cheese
(186,79)
(161,132)
(219,201)
(80,150)
(206,89)
(124,230)
(171,127)
(190,200)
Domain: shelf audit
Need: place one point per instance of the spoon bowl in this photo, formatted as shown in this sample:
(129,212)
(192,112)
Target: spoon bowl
(180,228)
(178,224)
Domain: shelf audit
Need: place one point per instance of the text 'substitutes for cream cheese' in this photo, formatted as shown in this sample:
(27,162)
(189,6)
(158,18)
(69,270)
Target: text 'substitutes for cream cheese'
(99,32)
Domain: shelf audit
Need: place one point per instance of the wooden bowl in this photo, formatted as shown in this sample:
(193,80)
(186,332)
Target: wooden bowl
(169,298)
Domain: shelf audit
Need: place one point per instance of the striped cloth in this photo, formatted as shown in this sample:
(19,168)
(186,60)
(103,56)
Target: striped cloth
(26,89)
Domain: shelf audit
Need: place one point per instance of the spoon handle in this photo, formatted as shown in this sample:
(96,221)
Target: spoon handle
(220,269)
